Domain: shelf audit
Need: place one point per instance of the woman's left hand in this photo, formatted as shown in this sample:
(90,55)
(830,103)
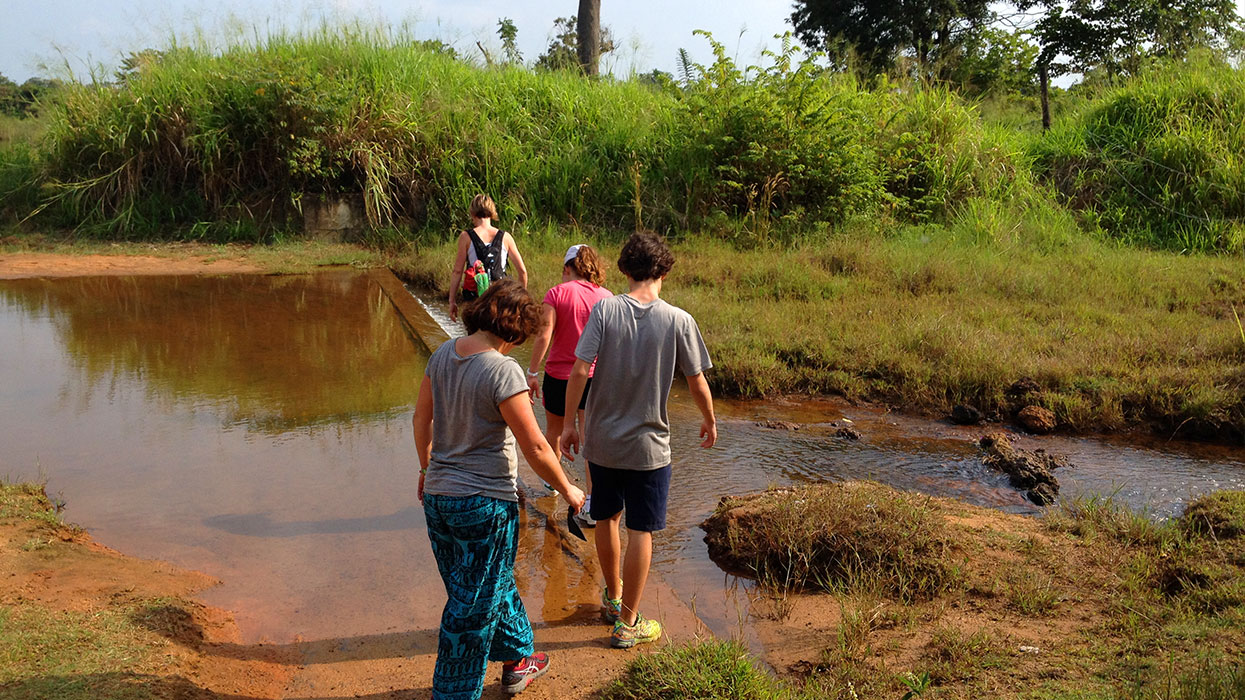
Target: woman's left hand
(574,496)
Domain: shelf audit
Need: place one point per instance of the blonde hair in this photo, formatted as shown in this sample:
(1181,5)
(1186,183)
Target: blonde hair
(482,207)
(588,265)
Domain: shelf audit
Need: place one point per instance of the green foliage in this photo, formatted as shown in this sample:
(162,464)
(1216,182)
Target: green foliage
(996,62)
(1123,36)
(563,51)
(877,34)
(509,35)
(867,538)
(1157,161)
(702,670)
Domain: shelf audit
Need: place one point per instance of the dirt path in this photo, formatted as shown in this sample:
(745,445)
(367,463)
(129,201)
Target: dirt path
(23,265)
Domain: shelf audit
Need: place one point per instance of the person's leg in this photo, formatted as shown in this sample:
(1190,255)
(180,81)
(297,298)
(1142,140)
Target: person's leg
(607,510)
(553,431)
(645,504)
(470,618)
(609,554)
(513,639)
(635,572)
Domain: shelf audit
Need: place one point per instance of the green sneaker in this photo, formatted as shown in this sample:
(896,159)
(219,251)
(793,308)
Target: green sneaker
(611,608)
(643,631)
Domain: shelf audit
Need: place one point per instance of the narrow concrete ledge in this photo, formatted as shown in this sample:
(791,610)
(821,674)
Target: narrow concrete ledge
(422,327)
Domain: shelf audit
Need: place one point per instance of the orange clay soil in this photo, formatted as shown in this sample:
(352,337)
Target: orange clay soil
(203,656)
(20,265)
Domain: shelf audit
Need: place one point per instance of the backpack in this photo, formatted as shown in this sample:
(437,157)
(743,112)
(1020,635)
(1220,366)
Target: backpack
(488,262)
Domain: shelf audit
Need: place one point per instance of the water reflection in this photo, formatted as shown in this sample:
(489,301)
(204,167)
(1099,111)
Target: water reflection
(256,428)
(265,352)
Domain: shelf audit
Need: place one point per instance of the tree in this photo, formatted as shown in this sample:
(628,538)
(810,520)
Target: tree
(997,61)
(1121,36)
(563,51)
(876,34)
(509,35)
(589,33)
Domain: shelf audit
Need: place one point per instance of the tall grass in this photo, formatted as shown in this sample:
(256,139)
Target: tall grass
(1157,161)
(760,151)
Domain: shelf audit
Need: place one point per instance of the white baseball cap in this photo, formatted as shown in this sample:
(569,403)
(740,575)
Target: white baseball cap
(571,253)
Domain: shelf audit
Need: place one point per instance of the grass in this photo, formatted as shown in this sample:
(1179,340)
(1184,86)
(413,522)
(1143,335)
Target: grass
(119,650)
(928,317)
(702,670)
(1094,601)
(867,538)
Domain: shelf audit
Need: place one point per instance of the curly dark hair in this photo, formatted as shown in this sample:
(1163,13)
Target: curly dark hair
(506,310)
(645,256)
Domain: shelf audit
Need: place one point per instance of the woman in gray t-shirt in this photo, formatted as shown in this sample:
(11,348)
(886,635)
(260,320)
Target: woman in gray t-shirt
(473,407)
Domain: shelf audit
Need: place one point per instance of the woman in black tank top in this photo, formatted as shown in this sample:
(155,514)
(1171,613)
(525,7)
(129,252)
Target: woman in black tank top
(493,255)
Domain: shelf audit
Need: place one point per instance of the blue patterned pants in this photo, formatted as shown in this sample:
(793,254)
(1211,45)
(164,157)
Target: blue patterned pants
(474,539)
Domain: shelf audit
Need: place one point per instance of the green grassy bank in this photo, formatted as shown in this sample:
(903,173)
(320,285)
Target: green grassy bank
(928,597)
(929,317)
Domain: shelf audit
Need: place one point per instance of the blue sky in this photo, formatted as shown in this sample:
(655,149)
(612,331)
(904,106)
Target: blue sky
(49,37)
(82,33)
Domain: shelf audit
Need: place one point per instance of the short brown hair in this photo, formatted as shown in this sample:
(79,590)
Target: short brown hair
(506,310)
(482,207)
(588,265)
(645,256)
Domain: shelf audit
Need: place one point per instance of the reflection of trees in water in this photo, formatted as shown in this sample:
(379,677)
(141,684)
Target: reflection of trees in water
(270,352)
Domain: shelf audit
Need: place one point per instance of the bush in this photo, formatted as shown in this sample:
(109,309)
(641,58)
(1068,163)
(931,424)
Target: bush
(857,536)
(1157,161)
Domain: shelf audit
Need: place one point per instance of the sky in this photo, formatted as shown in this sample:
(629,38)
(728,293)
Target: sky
(49,38)
(53,38)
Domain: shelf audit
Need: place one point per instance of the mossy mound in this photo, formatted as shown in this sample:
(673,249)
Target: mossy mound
(854,536)
(1220,515)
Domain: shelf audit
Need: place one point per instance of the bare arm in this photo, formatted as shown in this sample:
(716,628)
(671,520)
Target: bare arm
(517,412)
(704,401)
(548,317)
(456,279)
(422,422)
(520,270)
(574,392)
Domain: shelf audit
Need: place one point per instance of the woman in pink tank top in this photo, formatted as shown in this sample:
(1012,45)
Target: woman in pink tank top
(564,313)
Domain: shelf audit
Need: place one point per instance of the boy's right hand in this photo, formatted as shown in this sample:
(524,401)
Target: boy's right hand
(570,441)
(453,310)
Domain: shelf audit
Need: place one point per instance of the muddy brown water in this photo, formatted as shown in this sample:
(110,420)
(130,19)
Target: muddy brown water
(258,428)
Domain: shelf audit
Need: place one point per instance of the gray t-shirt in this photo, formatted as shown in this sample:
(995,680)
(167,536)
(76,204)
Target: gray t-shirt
(637,348)
(473,451)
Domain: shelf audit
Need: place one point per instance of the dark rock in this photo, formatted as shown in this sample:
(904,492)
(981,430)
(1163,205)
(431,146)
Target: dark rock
(847,433)
(1031,471)
(1022,387)
(777,425)
(965,415)
(1036,419)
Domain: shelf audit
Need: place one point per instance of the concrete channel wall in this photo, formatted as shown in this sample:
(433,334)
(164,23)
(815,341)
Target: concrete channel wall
(423,328)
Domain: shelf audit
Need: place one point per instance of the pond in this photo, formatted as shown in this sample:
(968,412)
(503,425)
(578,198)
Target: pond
(258,428)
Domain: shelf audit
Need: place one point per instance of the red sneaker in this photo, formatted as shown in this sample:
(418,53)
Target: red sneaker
(516,675)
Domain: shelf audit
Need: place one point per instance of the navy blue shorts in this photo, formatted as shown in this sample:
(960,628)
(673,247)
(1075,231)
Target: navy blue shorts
(554,391)
(642,493)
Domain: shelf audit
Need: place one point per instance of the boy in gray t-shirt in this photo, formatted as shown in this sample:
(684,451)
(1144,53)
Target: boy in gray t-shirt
(638,342)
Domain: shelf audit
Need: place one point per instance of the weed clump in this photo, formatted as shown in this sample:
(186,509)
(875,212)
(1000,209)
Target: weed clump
(704,670)
(1220,515)
(856,536)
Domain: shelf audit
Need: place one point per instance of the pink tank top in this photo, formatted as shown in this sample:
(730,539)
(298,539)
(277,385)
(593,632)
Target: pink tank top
(573,302)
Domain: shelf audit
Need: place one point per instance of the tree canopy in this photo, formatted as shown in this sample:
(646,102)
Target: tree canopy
(876,34)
